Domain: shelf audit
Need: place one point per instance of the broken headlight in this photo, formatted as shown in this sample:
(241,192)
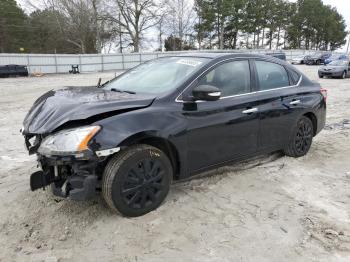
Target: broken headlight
(70,141)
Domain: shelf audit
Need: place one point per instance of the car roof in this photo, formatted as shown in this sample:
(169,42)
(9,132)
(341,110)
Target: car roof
(203,54)
(214,55)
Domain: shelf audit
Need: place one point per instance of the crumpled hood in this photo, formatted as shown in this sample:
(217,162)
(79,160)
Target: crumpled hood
(56,108)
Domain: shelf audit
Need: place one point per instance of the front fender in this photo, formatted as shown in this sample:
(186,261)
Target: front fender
(167,124)
(121,130)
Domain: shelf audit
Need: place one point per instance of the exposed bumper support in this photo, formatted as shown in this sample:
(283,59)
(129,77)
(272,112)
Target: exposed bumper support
(40,180)
(72,177)
(69,177)
(80,188)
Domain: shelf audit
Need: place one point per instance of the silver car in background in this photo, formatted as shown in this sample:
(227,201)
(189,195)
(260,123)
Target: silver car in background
(337,68)
(299,60)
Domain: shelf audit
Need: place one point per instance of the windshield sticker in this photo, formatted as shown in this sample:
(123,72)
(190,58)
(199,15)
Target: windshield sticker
(189,62)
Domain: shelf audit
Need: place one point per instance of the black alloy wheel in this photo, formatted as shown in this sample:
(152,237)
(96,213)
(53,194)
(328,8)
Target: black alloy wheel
(301,140)
(137,180)
(143,183)
(303,137)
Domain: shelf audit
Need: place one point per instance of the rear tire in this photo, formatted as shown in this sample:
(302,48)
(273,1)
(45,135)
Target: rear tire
(137,180)
(301,138)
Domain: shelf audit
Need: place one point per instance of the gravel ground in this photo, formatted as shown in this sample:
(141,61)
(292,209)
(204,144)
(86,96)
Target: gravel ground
(272,208)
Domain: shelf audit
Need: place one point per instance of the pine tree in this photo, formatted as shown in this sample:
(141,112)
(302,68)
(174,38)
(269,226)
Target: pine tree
(13,28)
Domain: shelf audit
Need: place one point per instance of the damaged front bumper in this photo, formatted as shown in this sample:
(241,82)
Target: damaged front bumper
(76,178)
(69,177)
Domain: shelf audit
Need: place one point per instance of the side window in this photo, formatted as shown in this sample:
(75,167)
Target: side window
(232,78)
(271,75)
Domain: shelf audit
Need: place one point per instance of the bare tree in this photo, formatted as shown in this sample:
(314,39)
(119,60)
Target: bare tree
(82,26)
(134,17)
(179,18)
(160,28)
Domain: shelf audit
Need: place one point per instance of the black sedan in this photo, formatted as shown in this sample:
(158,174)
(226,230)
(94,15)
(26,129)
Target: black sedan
(317,59)
(13,70)
(169,119)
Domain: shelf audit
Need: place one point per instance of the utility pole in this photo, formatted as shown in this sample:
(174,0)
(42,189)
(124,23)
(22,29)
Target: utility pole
(200,29)
(160,34)
(160,40)
(120,35)
(347,49)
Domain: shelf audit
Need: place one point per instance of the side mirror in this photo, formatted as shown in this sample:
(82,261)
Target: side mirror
(206,93)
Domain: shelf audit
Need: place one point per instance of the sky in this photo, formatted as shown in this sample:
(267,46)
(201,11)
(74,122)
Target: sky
(343,7)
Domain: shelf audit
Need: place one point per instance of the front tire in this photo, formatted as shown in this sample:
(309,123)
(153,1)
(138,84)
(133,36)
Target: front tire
(301,138)
(137,180)
(343,76)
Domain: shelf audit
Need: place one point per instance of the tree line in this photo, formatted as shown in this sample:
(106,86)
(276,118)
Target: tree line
(95,26)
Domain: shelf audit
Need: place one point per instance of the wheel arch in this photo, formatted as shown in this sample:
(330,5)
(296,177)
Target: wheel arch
(313,119)
(151,138)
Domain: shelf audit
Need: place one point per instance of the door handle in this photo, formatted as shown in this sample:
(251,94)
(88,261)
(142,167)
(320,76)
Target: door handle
(250,110)
(295,102)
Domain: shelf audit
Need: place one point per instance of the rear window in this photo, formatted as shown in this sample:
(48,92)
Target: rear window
(271,75)
(295,76)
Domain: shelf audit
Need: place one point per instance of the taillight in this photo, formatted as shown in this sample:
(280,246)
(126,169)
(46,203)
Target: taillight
(324,93)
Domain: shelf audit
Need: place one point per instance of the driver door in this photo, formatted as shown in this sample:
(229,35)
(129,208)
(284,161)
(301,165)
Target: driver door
(222,130)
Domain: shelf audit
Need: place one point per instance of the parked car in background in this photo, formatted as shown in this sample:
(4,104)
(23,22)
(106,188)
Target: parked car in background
(169,119)
(337,68)
(13,70)
(317,59)
(299,60)
(279,55)
(335,57)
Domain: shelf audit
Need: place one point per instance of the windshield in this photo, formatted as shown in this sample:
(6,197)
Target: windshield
(156,76)
(338,63)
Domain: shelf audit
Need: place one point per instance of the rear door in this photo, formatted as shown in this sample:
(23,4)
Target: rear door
(219,131)
(279,104)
